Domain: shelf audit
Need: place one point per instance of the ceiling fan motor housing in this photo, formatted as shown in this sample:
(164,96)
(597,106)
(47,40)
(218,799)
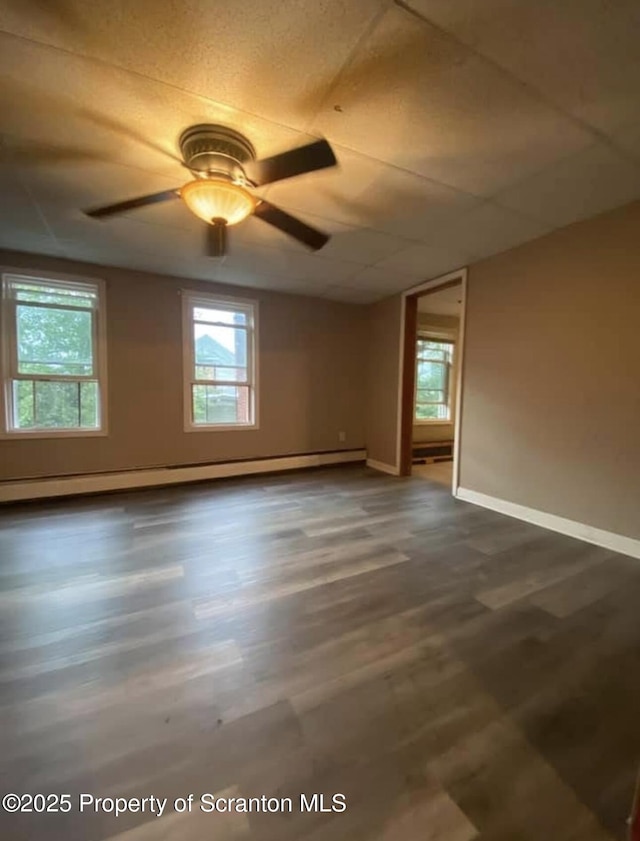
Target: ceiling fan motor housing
(216,151)
(217,156)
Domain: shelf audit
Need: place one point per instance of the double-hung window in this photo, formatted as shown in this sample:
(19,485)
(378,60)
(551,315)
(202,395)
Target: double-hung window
(53,360)
(434,360)
(219,361)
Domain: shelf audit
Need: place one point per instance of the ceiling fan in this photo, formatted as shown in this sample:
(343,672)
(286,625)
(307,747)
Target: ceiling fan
(224,164)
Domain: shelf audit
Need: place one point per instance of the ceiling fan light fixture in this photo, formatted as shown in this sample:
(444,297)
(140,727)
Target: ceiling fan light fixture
(213,198)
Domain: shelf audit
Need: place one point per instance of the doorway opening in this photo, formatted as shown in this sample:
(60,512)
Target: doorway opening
(431,383)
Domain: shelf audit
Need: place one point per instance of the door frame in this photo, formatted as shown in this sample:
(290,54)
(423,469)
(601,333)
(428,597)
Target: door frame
(407,371)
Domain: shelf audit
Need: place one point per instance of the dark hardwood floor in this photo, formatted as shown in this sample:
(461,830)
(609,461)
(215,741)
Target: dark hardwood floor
(454,673)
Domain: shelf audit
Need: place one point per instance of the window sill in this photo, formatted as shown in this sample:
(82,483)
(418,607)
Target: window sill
(28,435)
(221,427)
(433,422)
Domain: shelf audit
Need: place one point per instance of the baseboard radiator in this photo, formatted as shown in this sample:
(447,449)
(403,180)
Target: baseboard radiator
(432,451)
(43,488)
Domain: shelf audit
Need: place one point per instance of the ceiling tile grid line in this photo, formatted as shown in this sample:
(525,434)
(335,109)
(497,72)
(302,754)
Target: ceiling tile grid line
(126,70)
(208,99)
(324,99)
(435,181)
(447,155)
(370,27)
(598,134)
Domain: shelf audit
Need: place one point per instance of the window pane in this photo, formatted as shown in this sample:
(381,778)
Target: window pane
(431,375)
(213,404)
(89,405)
(440,351)
(433,365)
(44,294)
(23,404)
(221,373)
(219,316)
(54,341)
(220,352)
(39,404)
(424,395)
(435,355)
(433,412)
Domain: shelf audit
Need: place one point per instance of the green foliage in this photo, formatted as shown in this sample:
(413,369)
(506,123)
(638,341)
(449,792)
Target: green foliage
(433,367)
(55,342)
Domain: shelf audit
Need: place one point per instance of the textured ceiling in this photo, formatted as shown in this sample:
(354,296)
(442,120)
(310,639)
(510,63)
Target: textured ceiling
(462,128)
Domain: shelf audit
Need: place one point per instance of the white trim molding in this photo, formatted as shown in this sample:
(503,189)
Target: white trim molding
(9,362)
(432,286)
(383,467)
(155,477)
(191,300)
(607,539)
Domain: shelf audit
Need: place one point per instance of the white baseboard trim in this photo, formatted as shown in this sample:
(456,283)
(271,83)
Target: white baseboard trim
(383,467)
(98,483)
(607,539)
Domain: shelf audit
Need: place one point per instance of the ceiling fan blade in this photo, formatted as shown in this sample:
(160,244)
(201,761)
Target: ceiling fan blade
(217,239)
(132,204)
(316,155)
(30,153)
(311,237)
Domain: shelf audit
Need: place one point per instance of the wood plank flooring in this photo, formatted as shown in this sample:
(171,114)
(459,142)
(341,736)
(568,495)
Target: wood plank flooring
(439,471)
(456,674)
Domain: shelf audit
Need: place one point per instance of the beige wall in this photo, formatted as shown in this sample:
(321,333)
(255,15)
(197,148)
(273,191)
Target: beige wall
(311,361)
(383,345)
(551,381)
(551,405)
(442,326)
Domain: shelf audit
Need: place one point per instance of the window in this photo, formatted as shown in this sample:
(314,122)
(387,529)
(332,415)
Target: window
(220,378)
(433,378)
(52,360)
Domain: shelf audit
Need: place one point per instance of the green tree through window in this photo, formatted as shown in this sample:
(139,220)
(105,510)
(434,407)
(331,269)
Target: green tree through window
(53,371)
(434,360)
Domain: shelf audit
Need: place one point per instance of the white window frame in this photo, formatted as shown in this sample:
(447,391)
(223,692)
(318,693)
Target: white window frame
(431,337)
(8,363)
(190,300)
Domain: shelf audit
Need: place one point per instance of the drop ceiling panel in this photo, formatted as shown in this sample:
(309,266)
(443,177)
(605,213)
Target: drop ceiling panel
(87,185)
(352,296)
(89,111)
(17,209)
(224,272)
(361,245)
(387,280)
(347,243)
(188,268)
(424,261)
(580,54)
(124,233)
(17,239)
(366,193)
(281,263)
(486,230)
(274,58)
(426,128)
(592,182)
(414,97)
(627,139)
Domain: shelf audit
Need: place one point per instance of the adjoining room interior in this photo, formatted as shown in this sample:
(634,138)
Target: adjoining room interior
(436,390)
(256,261)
